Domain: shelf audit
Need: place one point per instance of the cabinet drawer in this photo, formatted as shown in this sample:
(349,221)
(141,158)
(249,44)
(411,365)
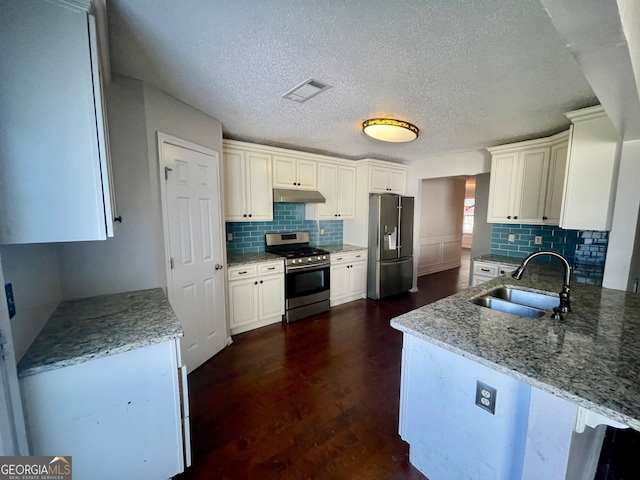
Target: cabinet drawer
(337,258)
(486,269)
(244,271)
(267,268)
(357,256)
(478,279)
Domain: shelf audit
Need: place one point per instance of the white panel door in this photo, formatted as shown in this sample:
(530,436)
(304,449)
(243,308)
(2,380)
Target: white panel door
(501,186)
(529,204)
(328,187)
(339,287)
(196,287)
(271,296)
(346,207)
(259,187)
(358,280)
(307,174)
(397,179)
(379,183)
(284,172)
(555,183)
(235,183)
(243,301)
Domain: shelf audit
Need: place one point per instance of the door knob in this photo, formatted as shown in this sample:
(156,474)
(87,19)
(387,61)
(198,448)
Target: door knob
(218,266)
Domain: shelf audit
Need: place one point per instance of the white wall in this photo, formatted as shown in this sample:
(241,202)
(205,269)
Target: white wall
(168,115)
(33,272)
(441,209)
(128,260)
(134,258)
(625,217)
(458,164)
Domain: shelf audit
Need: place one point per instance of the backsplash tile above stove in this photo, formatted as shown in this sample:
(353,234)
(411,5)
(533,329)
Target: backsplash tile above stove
(248,237)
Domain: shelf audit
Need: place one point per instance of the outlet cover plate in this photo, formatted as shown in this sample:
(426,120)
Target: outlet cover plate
(512,237)
(486,397)
(537,240)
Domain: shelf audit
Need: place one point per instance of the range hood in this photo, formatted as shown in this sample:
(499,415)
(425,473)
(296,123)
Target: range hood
(297,196)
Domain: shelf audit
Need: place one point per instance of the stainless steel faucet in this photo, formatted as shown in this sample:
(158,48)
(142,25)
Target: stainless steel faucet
(565,300)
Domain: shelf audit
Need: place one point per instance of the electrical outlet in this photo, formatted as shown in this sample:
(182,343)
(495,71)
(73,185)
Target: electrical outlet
(486,397)
(8,289)
(512,237)
(537,240)
(322,231)
(229,236)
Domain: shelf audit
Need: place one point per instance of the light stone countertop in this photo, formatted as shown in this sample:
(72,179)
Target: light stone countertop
(591,358)
(236,259)
(95,327)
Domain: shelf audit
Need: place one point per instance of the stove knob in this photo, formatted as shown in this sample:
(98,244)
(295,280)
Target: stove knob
(293,261)
(309,259)
(324,257)
(319,258)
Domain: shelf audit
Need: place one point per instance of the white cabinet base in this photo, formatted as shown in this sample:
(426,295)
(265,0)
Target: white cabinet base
(117,416)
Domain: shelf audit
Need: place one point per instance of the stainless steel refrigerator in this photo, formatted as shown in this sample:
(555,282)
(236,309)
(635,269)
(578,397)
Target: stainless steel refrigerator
(390,245)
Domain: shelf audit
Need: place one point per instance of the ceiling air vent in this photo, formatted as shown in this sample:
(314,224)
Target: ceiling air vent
(306,90)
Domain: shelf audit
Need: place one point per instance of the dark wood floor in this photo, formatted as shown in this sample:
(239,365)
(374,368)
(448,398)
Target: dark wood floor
(316,399)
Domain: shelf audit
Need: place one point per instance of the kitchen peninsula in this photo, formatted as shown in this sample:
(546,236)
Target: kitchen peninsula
(553,380)
(103,384)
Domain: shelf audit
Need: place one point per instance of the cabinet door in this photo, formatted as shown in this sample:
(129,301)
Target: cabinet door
(346,206)
(328,187)
(284,172)
(243,301)
(307,174)
(397,179)
(259,187)
(531,186)
(271,293)
(339,285)
(378,182)
(235,185)
(52,187)
(358,278)
(501,187)
(555,183)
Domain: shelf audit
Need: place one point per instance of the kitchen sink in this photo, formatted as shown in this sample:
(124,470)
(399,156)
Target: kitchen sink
(523,297)
(518,302)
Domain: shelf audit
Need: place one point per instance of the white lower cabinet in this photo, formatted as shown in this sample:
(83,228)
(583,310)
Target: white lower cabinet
(120,416)
(256,295)
(485,271)
(348,276)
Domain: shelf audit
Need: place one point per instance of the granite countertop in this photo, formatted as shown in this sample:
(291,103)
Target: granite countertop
(341,248)
(236,259)
(88,328)
(591,358)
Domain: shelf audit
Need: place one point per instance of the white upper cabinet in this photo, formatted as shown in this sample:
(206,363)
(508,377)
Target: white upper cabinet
(386,179)
(337,183)
(518,185)
(55,177)
(294,173)
(527,181)
(248,189)
(592,171)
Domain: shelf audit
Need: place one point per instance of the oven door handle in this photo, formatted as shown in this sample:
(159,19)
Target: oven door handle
(317,266)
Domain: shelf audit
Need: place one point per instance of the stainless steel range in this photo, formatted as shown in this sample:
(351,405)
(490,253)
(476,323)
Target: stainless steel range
(307,274)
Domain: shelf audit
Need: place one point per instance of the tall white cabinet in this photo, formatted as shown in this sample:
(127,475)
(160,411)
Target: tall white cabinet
(248,187)
(55,176)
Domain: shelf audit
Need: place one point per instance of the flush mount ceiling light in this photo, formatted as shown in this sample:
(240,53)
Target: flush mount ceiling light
(389,130)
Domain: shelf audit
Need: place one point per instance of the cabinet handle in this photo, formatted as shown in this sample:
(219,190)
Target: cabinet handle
(255,283)
(515,218)
(294,183)
(339,215)
(271,268)
(250,215)
(260,282)
(485,270)
(244,215)
(502,272)
(335,214)
(545,218)
(242,273)
(509,217)
(118,219)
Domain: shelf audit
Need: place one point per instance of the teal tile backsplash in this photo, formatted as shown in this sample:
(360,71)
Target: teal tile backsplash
(248,237)
(579,247)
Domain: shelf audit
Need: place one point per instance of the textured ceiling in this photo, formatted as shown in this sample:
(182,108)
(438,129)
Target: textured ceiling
(469,73)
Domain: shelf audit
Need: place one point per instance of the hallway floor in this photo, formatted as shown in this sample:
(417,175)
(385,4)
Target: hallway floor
(316,399)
